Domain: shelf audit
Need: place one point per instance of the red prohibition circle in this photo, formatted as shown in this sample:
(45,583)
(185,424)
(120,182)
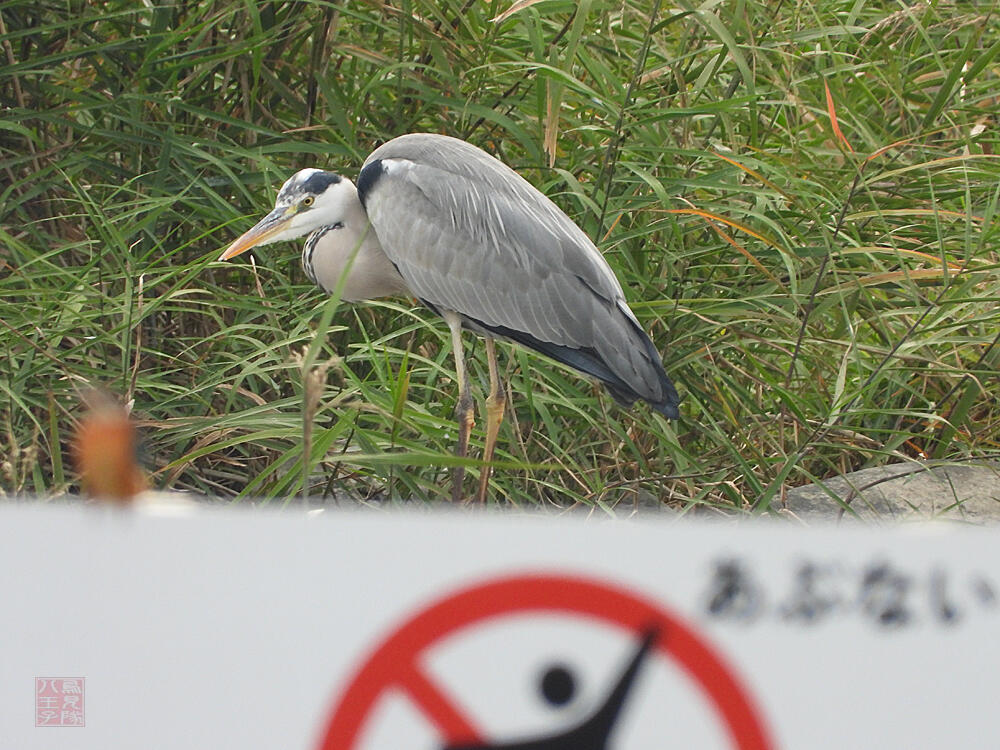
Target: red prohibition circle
(394,664)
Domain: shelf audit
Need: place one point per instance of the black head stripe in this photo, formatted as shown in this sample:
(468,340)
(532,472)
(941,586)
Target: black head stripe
(320,181)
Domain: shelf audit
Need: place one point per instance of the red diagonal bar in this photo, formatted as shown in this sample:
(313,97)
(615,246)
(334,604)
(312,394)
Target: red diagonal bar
(452,724)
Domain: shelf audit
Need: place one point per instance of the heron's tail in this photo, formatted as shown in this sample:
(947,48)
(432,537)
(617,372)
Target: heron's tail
(624,360)
(628,356)
(649,381)
(668,400)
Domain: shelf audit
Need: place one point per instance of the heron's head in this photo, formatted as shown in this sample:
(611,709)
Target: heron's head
(310,199)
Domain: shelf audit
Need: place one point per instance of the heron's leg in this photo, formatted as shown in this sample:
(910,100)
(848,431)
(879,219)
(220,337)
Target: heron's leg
(495,403)
(464,409)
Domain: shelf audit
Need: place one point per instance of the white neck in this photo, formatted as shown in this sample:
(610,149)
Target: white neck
(351,246)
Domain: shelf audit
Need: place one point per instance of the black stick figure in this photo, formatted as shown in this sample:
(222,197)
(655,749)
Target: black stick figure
(594,732)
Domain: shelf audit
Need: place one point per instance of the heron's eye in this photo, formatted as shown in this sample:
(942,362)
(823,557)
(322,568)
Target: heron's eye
(308,201)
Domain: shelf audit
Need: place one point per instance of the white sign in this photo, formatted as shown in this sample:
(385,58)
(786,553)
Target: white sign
(339,631)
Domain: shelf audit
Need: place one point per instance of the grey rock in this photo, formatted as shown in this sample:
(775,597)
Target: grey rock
(966,492)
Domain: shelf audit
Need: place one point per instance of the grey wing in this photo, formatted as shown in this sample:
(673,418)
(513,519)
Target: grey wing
(470,235)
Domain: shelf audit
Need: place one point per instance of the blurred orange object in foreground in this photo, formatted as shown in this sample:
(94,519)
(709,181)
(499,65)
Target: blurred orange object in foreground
(105,448)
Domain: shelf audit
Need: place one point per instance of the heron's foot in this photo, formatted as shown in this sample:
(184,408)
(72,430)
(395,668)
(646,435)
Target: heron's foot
(495,406)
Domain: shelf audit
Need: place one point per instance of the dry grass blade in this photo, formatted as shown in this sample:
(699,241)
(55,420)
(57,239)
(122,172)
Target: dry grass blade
(516,7)
(832,112)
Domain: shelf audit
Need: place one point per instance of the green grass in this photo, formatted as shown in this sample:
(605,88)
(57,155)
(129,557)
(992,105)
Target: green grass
(824,291)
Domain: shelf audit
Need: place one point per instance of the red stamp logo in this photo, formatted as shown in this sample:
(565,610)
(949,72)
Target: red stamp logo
(59,702)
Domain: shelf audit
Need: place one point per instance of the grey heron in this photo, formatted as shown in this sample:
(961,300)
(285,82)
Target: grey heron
(439,219)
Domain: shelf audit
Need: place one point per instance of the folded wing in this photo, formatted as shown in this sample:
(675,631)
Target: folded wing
(470,235)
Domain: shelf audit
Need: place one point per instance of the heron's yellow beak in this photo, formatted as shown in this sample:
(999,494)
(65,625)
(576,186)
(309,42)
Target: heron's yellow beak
(273,224)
